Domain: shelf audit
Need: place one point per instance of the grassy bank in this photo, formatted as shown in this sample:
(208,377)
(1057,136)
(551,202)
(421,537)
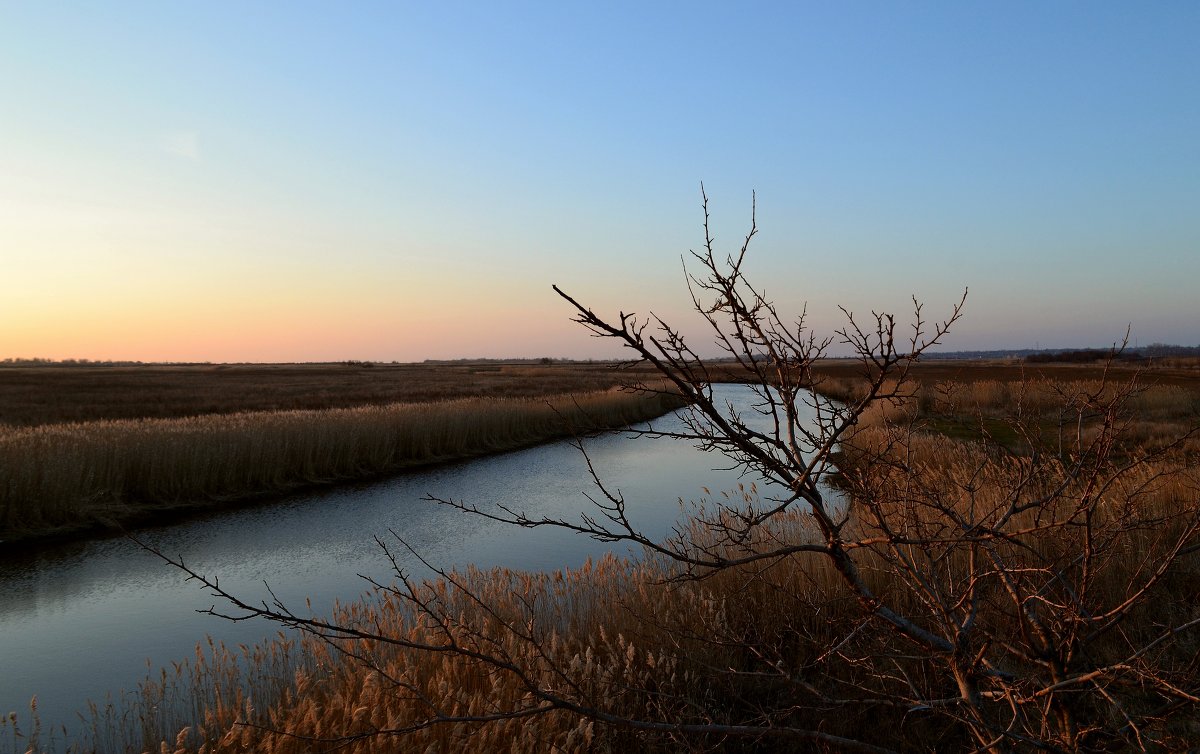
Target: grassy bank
(613,635)
(62,477)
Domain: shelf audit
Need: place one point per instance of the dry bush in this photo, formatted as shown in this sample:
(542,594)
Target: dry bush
(780,645)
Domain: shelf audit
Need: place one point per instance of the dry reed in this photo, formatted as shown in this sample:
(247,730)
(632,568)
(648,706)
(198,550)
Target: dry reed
(693,651)
(77,475)
(620,631)
(723,649)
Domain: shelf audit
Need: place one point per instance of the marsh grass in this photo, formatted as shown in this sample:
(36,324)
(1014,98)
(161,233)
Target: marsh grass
(689,651)
(63,476)
(30,396)
(615,630)
(1017,414)
(784,634)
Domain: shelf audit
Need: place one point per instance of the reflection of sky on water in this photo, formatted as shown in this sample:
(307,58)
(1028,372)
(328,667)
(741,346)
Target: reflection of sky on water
(81,619)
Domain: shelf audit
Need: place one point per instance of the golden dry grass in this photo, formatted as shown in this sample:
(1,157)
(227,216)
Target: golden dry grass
(648,649)
(779,635)
(691,651)
(1155,413)
(62,476)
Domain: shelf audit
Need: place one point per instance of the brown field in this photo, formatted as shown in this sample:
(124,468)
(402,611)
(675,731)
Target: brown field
(30,396)
(1018,407)
(1174,372)
(624,636)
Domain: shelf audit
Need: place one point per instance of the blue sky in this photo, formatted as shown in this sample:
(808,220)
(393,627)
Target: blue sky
(299,181)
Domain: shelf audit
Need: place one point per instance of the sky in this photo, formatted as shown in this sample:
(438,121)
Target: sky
(295,181)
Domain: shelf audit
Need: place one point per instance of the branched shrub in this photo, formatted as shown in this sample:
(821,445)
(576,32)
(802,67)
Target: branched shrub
(1027,587)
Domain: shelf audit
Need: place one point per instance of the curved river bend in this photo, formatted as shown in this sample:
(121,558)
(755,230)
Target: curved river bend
(80,620)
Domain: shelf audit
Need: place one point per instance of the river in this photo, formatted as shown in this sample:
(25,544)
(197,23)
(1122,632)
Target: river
(81,620)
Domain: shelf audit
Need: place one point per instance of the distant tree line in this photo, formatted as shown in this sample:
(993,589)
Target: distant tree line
(1155,350)
(543,360)
(1084,356)
(38,362)
(1089,355)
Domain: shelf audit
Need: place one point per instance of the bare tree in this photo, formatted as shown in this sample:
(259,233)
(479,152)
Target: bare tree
(1034,592)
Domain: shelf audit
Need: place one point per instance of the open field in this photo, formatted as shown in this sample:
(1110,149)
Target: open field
(780,643)
(53,394)
(1020,408)
(1174,371)
(30,396)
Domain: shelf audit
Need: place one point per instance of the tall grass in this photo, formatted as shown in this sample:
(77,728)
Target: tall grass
(616,633)
(1156,413)
(764,644)
(73,475)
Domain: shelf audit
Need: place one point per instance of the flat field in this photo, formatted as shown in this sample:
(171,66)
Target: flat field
(972,371)
(30,396)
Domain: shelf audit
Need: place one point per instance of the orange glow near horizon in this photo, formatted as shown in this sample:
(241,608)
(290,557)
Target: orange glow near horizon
(289,327)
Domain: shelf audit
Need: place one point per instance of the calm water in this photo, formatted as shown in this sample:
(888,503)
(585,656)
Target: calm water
(78,621)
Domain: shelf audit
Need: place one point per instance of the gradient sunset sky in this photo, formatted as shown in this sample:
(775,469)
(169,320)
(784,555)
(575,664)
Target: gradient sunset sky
(399,181)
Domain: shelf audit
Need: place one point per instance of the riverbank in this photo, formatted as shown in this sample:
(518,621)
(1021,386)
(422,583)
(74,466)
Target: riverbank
(776,643)
(155,443)
(73,479)
(778,638)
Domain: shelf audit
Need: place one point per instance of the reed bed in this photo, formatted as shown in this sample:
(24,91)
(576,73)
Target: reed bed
(1003,396)
(30,396)
(768,643)
(63,476)
(627,641)
(617,633)
(1052,409)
